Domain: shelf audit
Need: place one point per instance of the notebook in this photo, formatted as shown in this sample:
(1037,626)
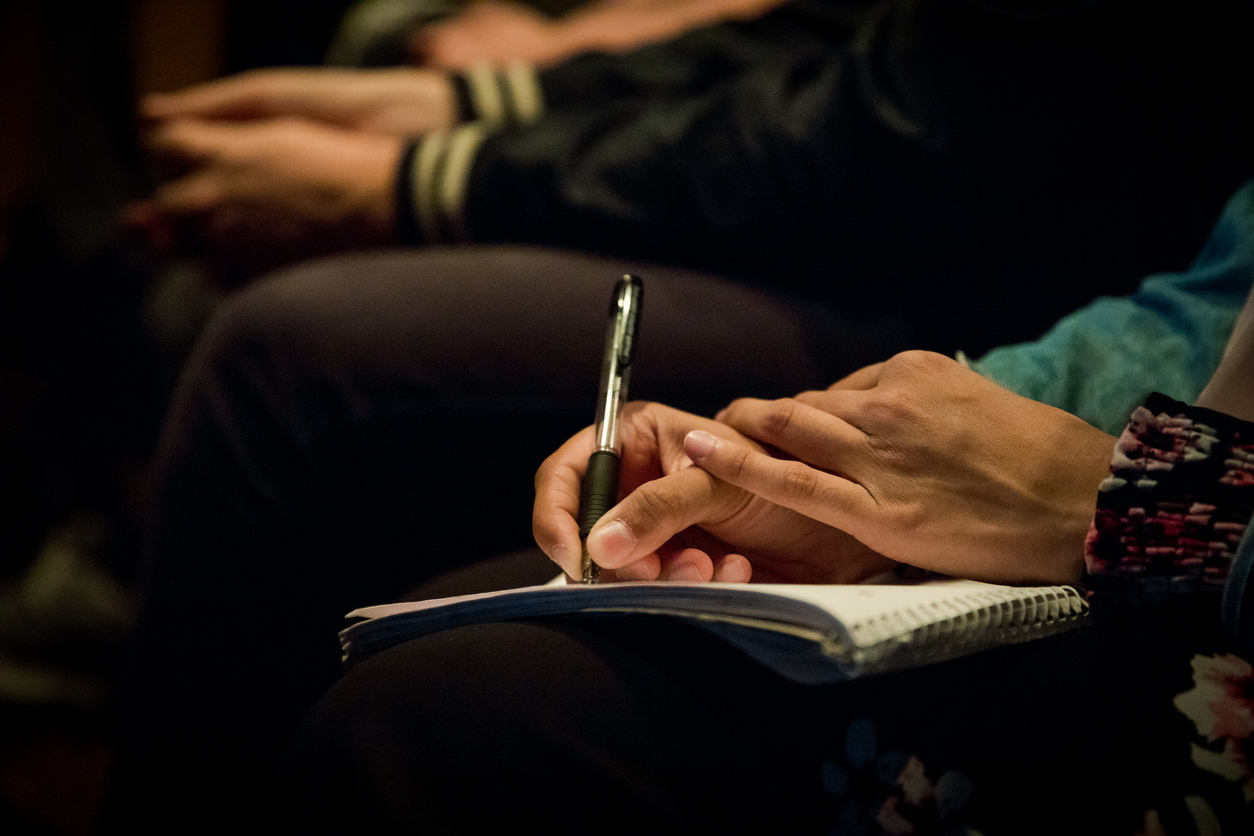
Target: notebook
(808,633)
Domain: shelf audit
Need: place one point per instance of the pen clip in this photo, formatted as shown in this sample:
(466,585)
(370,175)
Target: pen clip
(629,293)
(620,349)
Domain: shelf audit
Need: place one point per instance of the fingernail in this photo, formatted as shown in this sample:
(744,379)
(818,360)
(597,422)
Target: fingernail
(687,572)
(637,571)
(733,571)
(698,444)
(611,544)
(559,557)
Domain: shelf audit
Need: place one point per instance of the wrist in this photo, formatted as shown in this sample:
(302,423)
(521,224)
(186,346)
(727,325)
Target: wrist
(430,185)
(500,96)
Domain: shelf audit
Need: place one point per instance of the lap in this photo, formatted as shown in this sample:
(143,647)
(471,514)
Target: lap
(575,720)
(522,322)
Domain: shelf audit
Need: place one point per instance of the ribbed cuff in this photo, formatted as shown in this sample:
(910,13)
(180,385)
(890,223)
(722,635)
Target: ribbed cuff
(434,172)
(502,96)
(431,185)
(408,231)
(1176,506)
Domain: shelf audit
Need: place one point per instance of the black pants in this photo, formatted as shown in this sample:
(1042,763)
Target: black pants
(353,427)
(632,724)
(356,427)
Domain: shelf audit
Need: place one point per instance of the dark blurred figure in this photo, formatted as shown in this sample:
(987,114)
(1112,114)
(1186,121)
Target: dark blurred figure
(92,329)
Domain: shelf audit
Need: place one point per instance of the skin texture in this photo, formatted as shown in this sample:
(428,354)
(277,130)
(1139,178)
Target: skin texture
(273,166)
(678,522)
(1230,389)
(270,167)
(253,196)
(390,102)
(494,31)
(916,460)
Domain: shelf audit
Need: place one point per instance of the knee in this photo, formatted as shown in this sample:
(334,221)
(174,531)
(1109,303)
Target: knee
(271,316)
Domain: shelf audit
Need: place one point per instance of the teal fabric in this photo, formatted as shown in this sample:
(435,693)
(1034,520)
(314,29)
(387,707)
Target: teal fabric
(1102,361)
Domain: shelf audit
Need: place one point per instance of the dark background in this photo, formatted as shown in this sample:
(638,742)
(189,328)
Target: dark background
(92,330)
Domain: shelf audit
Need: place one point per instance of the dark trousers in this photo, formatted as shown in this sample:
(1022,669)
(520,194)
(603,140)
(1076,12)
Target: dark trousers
(350,428)
(356,427)
(635,724)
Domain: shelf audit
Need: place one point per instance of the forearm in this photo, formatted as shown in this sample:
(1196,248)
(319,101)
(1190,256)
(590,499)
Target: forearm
(1231,388)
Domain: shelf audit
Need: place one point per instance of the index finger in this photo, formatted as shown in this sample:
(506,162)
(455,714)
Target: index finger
(248,95)
(555,512)
(867,377)
(818,433)
(190,140)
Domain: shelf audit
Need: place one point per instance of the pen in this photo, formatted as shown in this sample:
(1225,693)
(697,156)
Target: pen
(599,491)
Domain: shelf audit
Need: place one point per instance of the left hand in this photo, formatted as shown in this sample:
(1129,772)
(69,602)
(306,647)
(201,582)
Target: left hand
(402,101)
(251,196)
(929,463)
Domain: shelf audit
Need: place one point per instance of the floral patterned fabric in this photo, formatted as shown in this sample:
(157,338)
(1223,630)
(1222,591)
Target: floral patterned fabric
(1170,526)
(1176,506)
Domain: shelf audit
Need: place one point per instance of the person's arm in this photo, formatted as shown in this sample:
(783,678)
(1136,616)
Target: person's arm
(255,196)
(634,121)
(1231,388)
(715,142)
(272,166)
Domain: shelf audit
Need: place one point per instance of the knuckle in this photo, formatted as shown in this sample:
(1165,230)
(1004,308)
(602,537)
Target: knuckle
(544,473)
(779,416)
(737,465)
(799,481)
(891,405)
(921,363)
(656,506)
(910,519)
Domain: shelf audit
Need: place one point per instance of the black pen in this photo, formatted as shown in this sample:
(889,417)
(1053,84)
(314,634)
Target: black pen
(599,491)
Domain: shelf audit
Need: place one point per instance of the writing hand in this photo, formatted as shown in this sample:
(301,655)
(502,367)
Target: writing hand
(677,522)
(256,195)
(393,102)
(929,463)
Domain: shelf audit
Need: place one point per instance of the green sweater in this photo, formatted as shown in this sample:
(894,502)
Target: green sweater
(1102,361)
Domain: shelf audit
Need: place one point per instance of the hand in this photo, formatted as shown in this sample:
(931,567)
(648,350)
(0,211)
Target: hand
(392,102)
(930,464)
(489,31)
(253,196)
(676,522)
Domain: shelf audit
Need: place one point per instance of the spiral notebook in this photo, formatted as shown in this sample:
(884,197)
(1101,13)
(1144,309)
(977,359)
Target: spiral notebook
(808,633)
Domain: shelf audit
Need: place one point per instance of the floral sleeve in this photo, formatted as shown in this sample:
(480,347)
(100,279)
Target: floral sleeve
(1172,517)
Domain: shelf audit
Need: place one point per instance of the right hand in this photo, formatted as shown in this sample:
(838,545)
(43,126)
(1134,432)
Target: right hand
(394,102)
(677,522)
(253,196)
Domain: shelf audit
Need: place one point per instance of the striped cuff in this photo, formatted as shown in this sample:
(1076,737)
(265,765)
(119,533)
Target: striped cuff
(1176,506)
(434,184)
(504,96)
(435,169)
